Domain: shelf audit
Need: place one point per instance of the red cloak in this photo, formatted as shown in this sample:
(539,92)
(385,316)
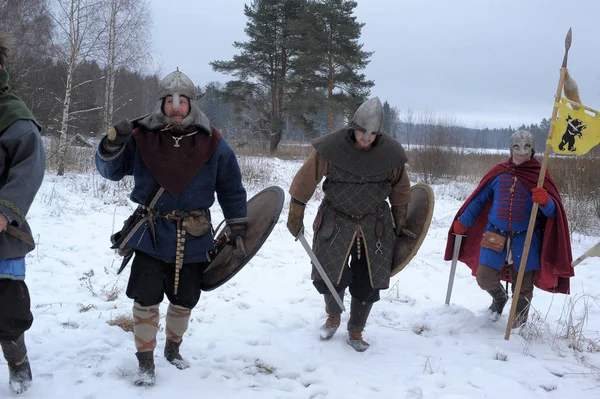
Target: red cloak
(556,257)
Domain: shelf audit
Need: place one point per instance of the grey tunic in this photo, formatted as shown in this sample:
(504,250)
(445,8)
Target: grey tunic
(22,166)
(354,203)
(352,208)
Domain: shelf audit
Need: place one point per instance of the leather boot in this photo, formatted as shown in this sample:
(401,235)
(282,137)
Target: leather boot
(359,313)
(19,369)
(499,299)
(521,313)
(146,376)
(173,356)
(177,322)
(334,317)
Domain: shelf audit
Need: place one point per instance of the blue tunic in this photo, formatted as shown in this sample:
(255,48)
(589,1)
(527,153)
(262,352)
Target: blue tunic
(510,211)
(12,269)
(220,174)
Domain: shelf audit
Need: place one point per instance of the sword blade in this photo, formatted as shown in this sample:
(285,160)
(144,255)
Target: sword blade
(590,253)
(319,268)
(457,241)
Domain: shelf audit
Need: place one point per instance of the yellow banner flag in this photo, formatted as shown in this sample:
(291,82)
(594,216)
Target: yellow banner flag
(575,131)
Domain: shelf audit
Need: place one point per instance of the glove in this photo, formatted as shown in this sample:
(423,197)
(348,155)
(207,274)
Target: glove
(459,228)
(540,195)
(237,230)
(119,133)
(295,221)
(399,212)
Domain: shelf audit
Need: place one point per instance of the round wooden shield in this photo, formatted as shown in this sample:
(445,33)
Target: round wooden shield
(263,213)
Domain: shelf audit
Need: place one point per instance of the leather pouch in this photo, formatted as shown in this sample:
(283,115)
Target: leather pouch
(493,241)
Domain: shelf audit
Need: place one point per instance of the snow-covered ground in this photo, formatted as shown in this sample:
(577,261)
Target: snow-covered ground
(257,336)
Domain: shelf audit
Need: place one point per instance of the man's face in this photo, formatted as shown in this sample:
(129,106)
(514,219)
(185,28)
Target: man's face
(177,114)
(362,143)
(521,153)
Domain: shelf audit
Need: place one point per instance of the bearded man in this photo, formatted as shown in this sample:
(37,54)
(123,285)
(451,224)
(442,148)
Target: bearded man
(363,168)
(497,213)
(178,161)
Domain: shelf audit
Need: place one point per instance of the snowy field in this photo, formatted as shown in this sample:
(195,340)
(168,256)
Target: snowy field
(257,336)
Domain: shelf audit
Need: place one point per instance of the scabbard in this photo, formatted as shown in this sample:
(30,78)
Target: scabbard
(19,234)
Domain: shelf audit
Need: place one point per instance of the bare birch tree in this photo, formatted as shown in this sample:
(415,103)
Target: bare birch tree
(76,40)
(126,42)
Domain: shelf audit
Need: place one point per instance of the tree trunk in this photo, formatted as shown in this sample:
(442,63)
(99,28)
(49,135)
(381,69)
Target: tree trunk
(275,139)
(113,60)
(330,86)
(104,126)
(109,83)
(64,126)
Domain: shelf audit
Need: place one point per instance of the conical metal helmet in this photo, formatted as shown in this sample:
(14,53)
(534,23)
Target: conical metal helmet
(177,84)
(522,137)
(369,116)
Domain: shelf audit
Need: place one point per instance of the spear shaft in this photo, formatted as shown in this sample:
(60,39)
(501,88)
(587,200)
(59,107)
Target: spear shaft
(540,183)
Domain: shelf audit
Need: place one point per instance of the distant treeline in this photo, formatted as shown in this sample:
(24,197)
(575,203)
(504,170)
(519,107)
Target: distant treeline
(81,65)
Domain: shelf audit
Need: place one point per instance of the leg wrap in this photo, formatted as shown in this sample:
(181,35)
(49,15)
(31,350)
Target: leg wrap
(145,326)
(331,306)
(522,312)
(15,351)
(359,313)
(178,319)
(499,299)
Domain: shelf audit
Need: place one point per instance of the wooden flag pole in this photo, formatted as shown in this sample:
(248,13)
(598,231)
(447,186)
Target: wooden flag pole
(540,183)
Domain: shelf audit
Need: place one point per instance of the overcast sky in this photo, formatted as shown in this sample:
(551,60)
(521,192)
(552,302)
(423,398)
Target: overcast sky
(483,63)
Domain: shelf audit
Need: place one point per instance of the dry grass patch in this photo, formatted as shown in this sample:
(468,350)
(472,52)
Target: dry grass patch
(124,321)
(573,323)
(255,170)
(258,148)
(87,308)
(577,178)
(78,159)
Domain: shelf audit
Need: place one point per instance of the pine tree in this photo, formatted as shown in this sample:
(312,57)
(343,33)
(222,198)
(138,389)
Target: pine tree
(387,117)
(330,56)
(262,68)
